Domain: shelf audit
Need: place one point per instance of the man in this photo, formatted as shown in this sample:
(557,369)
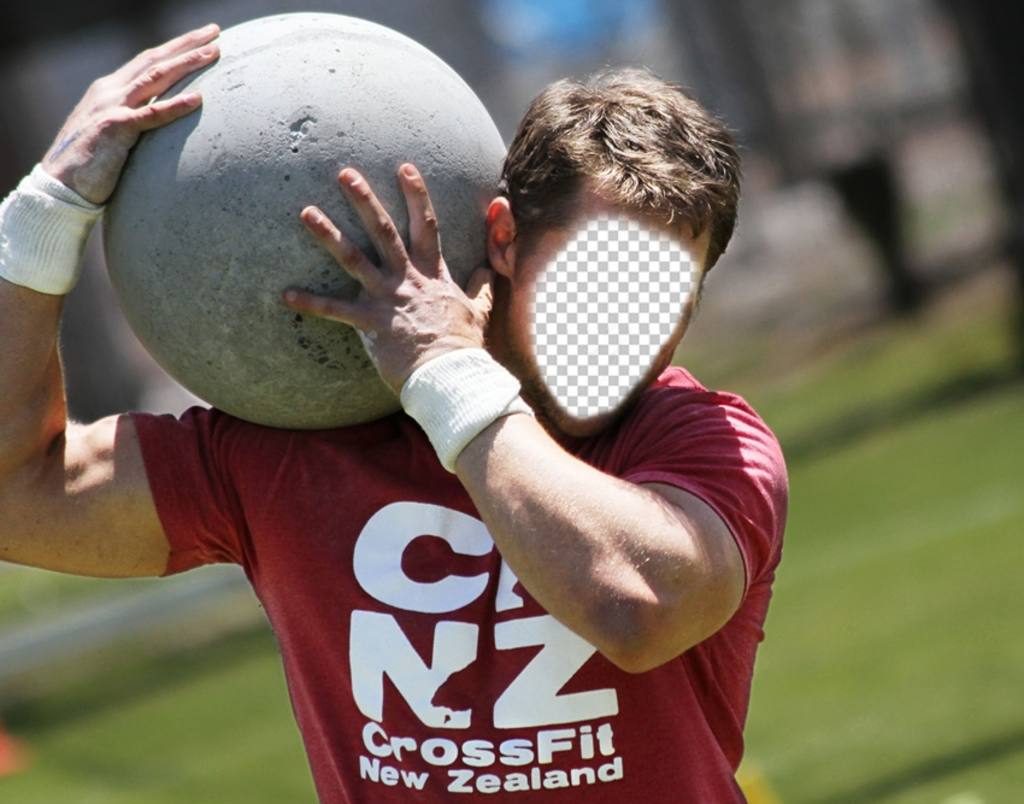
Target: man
(573,607)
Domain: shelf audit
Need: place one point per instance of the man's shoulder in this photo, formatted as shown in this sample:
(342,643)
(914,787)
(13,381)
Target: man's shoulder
(678,412)
(677,390)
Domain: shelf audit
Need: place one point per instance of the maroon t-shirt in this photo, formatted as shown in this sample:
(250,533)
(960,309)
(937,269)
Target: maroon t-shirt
(418,667)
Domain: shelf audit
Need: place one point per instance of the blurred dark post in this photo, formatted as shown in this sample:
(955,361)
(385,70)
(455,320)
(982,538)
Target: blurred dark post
(871,196)
(990,32)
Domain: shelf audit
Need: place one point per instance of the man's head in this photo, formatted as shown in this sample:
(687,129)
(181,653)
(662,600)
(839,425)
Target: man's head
(621,145)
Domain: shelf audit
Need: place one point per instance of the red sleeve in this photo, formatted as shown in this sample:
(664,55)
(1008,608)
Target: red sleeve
(188,464)
(714,446)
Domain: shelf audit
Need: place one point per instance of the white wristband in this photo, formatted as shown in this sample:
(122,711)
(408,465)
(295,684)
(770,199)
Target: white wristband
(456,396)
(43,228)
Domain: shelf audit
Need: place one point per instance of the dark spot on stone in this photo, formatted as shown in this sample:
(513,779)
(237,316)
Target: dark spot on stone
(287,177)
(295,149)
(322,360)
(298,318)
(331,70)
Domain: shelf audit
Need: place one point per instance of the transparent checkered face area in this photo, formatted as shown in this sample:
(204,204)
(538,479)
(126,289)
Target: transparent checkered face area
(604,307)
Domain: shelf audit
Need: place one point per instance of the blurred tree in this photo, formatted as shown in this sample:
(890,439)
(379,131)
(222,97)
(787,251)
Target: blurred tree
(827,90)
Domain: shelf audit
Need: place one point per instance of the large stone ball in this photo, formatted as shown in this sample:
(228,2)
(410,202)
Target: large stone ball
(203,232)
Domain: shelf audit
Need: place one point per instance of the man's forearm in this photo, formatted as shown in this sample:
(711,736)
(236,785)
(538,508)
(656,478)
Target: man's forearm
(44,225)
(32,406)
(599,553)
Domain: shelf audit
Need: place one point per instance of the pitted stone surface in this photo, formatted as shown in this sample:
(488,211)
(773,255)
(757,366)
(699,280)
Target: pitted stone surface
(203,232)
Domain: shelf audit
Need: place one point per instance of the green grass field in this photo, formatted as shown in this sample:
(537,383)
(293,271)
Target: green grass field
(894,647)
(894,662)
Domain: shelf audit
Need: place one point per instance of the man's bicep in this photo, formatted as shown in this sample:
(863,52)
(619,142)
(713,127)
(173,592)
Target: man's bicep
(86,507)
(722,567)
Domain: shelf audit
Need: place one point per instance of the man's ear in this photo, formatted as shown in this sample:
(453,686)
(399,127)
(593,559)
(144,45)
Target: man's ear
(501,237)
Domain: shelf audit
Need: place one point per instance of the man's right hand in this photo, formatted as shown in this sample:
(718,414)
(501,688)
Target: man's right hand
(91,149)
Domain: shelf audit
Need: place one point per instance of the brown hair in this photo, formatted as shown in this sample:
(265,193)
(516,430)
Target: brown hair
(643,144)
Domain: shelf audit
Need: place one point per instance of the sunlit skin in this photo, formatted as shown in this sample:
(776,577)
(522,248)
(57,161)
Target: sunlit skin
(92,146)
(409,309)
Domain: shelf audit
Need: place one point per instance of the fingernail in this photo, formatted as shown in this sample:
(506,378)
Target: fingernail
(409,171)
(192,98)
(290,295)
(208,51)
(208,29)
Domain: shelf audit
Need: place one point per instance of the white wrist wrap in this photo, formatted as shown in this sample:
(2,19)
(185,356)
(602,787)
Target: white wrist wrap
(43,228)
(456,396)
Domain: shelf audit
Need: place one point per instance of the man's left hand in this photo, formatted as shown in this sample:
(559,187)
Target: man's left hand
(409,310)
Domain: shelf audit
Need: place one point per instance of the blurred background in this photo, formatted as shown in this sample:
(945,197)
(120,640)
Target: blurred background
(871,307)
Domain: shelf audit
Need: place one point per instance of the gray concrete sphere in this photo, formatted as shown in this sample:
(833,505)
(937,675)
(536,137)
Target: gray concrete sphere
(203,232)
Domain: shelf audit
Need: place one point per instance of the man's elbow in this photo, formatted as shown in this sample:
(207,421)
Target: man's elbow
(641,636)
(639,659)
(631,636)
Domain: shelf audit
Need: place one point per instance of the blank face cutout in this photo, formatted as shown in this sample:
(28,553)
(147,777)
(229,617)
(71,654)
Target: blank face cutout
(604,307)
